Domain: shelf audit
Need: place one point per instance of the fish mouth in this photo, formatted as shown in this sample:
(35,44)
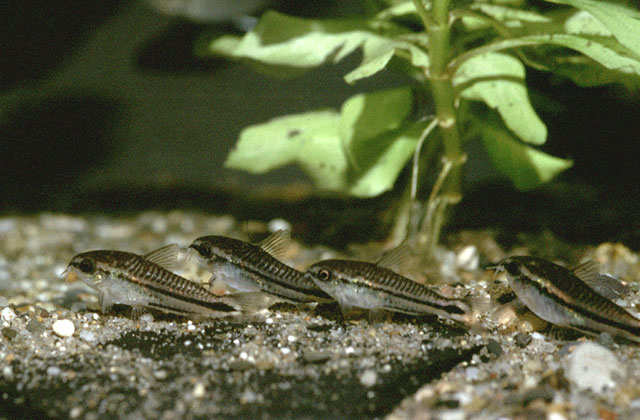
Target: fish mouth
(68,275)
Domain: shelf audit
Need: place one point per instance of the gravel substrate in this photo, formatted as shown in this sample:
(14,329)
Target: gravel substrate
(60,357)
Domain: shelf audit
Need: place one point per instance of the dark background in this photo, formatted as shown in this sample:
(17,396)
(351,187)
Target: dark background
(103,107)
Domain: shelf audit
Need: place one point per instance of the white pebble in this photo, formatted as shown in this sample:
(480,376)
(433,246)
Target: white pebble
(368,378)
(592,366)
(75,412)
(64,328)
(146,317)
(87,336)
(455,414)
(278,224)
(7,314)
(472,373)
(198,390)
(3,302)
(554,415)
(53,371)
(468,258)
(160,374)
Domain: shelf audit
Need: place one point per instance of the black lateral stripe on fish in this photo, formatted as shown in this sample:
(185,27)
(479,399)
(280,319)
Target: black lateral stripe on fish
(578,306)
(251,267)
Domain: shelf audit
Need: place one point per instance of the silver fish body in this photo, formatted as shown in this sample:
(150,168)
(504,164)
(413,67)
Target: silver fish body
(130,279)
(371,286)
(557,295)
(247,267)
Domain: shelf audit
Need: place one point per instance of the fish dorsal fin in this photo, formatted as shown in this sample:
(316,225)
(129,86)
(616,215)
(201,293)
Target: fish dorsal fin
(166,257)
(277,243)
(588,272)
(396,259)
(604,284)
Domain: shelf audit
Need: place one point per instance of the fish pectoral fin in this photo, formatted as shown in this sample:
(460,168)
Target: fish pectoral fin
(276,244)
(137,311)
(166,257)
(218,286)
(479,306)
(563,333)
(377,315)
(248,302)
(105,302)
(396,259)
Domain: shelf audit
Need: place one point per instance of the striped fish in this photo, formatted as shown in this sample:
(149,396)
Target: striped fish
(563,297)
(248,267)
(146,282)
(377,286)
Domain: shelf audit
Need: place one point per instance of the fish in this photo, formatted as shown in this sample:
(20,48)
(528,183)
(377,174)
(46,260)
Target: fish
(249,267)
(148,282)
(563,297)
(377,286)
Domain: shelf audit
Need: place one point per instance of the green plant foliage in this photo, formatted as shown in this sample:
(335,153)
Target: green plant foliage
(371,127)
(476,50)
(623,22)
(498,80)
(305,43)
(525,166)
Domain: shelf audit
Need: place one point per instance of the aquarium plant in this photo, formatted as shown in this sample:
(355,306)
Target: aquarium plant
(466,58)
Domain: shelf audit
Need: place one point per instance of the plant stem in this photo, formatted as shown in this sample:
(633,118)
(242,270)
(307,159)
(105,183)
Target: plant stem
(439,34)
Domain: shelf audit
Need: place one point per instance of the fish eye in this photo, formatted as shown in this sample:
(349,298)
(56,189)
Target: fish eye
(324,275)
(204,250)
(87,266)
(512,268)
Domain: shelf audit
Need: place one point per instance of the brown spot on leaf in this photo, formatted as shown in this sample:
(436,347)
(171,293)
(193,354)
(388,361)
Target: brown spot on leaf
(293,133)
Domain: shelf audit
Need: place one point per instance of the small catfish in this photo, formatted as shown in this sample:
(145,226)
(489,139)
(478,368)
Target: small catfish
(250,268)
(147,282)
(565,298)
(377,286)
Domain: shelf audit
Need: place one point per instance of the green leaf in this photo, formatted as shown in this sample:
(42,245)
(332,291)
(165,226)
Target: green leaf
(583,23)
(376,55)
(510,14)
(606,51)
(383,161)
(525,166)
(587,73)
(366,116)
(310,139)
(498,80)
(623,22)
(399,9)
(375,58)
(280,40)
(382,144)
